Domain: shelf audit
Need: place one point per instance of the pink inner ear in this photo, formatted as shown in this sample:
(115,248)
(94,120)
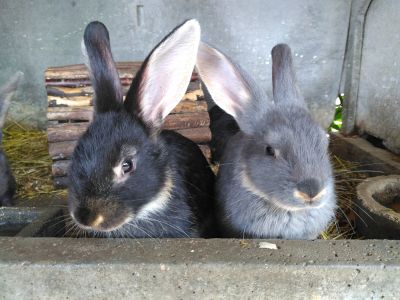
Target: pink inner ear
(167,73)
(224,82)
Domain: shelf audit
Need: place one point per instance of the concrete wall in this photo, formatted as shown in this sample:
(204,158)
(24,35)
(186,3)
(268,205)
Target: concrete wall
(378,105)
(37,34)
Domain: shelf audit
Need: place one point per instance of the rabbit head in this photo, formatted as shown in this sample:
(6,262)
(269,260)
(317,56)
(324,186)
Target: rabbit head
(119,165)
(283,155)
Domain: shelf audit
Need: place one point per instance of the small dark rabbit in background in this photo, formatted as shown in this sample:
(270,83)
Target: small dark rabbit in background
(128,178)
(275,178)
(7,180)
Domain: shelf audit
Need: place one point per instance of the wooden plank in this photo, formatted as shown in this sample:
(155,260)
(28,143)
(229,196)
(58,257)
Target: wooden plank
(72,132)
(64,91)
(60,182)
(186,118)
(125,70)
(61,150)
(54,101)
(78,72)
(65,132)
(82,113)
(190,106)
(60,168)
(197,135)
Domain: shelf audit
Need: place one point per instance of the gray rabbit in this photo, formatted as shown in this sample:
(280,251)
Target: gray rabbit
(275,178)
(7,181)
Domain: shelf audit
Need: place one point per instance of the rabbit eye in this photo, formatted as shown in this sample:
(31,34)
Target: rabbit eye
(127,166)
(270,151)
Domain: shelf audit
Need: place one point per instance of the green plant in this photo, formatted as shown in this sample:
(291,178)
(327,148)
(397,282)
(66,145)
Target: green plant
(337,120)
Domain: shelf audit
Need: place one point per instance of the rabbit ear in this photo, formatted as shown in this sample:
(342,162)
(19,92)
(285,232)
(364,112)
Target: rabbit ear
(103,72)
(284,84)
(164,76)
(6,93)
(231,88)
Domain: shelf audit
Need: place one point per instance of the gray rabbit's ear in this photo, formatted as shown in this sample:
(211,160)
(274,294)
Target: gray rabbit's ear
(6,93)
(231,88)
(103,72)
(162,81)
(284,82)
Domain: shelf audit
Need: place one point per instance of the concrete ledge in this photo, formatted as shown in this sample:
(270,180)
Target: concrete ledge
(32,268)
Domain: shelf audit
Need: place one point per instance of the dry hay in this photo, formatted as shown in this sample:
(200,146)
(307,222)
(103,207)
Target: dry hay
(347,177)
(27,152)
(28,155)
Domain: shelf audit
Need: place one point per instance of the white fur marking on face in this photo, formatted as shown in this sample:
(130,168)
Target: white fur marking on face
(99,219)
(304,197)
(159,201)
(250,187)
(320,194)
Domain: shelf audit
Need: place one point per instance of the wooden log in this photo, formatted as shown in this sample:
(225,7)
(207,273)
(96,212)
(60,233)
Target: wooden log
(60,168)
(85,113)
(126,70)
(72,132)
(70,91)
(188,120)
(61,91)
(60,182)
(82,113)
(186,106)
(74,72)
(172,121)
(61,150)
(197,135)
(87,100)
(54,102)
(65,132)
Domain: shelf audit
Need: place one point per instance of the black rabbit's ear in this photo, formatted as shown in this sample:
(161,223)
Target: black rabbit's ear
(164,76)
(231,88)
(6,93)
(103,72)
(284,83)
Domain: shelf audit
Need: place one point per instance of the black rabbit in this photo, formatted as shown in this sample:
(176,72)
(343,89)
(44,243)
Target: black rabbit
(7,180)
(128,178)
(275,178)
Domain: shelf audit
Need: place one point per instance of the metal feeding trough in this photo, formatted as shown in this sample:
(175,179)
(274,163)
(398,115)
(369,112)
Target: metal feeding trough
(379,207)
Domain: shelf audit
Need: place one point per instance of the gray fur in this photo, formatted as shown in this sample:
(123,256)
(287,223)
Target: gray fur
(255,191)
(7,181)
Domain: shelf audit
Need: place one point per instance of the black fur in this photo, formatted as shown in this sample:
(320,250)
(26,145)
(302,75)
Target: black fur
(118,132)
(7,180)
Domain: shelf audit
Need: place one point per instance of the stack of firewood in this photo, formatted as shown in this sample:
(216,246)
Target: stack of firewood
(70,110)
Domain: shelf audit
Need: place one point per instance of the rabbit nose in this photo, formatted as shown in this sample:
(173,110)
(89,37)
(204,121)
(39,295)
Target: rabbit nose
(82,215)
(309,188)
(86,217)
